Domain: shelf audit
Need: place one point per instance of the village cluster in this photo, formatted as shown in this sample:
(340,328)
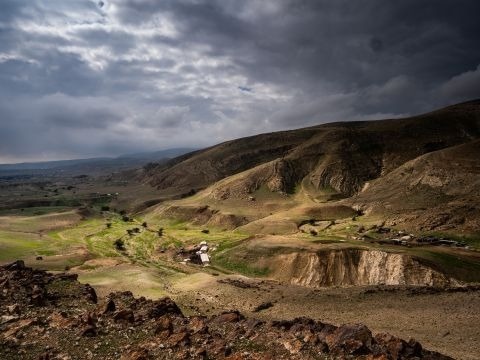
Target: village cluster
(197,254)
(403,239)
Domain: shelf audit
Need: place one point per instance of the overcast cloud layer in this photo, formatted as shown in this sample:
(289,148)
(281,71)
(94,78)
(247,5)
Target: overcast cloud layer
(89,78)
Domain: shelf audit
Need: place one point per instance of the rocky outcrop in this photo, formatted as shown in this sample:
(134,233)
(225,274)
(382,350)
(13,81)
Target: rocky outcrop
(354,267)
(69,325)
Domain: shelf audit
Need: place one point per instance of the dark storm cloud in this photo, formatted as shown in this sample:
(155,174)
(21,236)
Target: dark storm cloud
(99,77)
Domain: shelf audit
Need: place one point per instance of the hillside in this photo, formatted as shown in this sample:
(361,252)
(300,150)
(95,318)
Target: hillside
(332,162)
(340,155)
(446,182)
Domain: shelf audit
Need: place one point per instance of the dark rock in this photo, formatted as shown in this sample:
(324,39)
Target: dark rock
(413,348)
(17,265)
(89,331)
(124,315)
(263,306)
(229,316)
(162,307)
(390,344)
(13,309)
(197,325)
(164,326)
(352,339)
(38,297)
(109,306)
(90,293)
(179,339)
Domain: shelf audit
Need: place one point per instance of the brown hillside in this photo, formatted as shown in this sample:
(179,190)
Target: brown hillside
(446,182)
(340,156)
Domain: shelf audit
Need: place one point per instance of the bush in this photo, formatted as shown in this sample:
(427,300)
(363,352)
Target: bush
(144,224)
(160,232)
(105,208)
(119,244)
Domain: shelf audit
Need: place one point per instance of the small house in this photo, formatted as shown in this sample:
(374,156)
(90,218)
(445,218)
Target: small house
(205,259)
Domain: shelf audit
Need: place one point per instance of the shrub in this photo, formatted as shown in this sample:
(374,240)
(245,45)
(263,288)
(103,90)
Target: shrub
(119,244)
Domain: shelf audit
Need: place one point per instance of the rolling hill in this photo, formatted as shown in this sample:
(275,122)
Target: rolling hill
(396,169)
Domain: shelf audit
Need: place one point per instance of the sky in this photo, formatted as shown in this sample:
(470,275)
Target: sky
(83,78)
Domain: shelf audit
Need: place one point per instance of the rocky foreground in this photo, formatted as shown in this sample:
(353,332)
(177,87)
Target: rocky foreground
(45,316)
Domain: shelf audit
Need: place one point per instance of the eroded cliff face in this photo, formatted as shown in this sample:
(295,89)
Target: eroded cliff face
(355,267)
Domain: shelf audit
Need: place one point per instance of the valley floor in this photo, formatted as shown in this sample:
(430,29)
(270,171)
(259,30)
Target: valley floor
(444,321)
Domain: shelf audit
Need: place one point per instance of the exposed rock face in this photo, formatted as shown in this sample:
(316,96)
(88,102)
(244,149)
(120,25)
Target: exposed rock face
(69,325)
(355,267)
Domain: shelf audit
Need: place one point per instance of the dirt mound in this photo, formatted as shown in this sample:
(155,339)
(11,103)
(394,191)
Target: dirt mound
(45,316)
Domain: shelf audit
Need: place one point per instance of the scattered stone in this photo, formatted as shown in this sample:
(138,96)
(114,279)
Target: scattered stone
(144,329)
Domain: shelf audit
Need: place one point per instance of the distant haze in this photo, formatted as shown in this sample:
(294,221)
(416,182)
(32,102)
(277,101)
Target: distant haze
(83,78)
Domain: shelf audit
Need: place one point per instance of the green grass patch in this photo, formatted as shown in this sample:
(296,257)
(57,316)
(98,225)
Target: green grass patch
(458,266)
(14,245)
(241,267)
